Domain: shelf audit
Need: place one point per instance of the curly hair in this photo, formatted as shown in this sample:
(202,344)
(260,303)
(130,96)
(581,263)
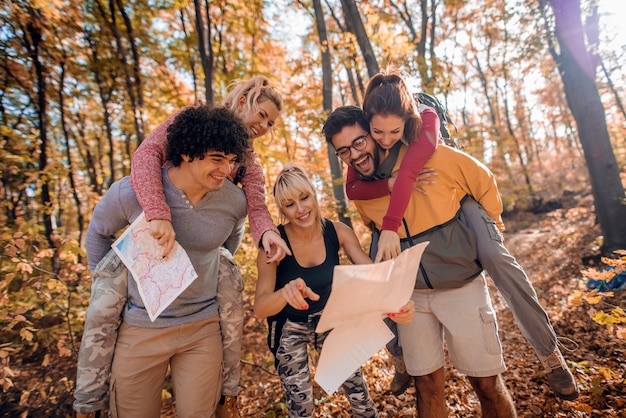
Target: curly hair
(387,94)
(199,129)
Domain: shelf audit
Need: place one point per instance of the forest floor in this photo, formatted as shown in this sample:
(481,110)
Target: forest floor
(550,246)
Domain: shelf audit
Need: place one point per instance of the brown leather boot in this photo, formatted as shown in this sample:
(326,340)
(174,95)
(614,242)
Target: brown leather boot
(401,379)
(560,378)
(227,409)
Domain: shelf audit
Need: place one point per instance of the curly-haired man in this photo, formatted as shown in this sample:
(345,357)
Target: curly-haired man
(207,212)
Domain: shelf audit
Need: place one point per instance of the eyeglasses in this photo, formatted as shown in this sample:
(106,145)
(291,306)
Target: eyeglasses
(358,144)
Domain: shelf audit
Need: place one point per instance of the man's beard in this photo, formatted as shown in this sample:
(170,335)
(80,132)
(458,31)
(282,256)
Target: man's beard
(375,159)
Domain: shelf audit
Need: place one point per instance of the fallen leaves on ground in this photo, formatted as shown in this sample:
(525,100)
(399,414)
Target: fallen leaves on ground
(550,247)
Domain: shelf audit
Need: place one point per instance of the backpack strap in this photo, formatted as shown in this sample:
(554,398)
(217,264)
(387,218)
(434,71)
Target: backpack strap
(275,329)
(408,233)
(241,171)
(426,99)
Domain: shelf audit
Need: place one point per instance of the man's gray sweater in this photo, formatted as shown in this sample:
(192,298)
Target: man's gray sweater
(217,220)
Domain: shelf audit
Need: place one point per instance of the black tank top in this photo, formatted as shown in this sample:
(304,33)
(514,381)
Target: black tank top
(319,278)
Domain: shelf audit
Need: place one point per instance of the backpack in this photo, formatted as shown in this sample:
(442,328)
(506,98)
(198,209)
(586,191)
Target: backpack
(444,119)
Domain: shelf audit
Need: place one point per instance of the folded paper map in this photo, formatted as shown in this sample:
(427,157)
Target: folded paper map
(361,297)
(159,280)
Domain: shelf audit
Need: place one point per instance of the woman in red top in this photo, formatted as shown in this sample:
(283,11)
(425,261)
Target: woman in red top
(385,91)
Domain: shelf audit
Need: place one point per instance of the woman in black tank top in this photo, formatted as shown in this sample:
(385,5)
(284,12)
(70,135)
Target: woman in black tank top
(292,294)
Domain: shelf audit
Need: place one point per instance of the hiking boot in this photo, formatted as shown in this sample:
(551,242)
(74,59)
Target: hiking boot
(401,379)
(227,407)
(560,378)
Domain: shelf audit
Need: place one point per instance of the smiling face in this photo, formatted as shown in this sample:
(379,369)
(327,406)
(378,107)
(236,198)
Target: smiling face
(364,161)
(259,120)
(208,174)
(300,209)
(386,130)
(296,199)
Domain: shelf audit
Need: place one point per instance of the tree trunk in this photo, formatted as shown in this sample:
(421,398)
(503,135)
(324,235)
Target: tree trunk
(354,89)
(355,25)
(421,45)
(578,74)
(518,150)
(122,57)
(203,29)
(105,93)
(68,153)
(327,101)
(137,79)
(609,81)
(90,162)
(34,46)
(421,40)
(192,62)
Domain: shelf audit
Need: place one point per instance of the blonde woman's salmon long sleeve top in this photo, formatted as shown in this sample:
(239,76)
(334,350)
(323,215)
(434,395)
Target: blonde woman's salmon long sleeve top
(146,181)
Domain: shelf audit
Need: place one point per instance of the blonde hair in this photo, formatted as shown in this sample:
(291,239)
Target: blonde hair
(255,90)
(291,182)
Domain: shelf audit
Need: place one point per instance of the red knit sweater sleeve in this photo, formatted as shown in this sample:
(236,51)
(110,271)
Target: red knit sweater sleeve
(145,173)
(253,183)
(417,154)
(364,190)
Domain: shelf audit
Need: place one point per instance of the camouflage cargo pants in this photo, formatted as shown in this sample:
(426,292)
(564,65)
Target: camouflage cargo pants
(229,288)
(109,291)
(293,368)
